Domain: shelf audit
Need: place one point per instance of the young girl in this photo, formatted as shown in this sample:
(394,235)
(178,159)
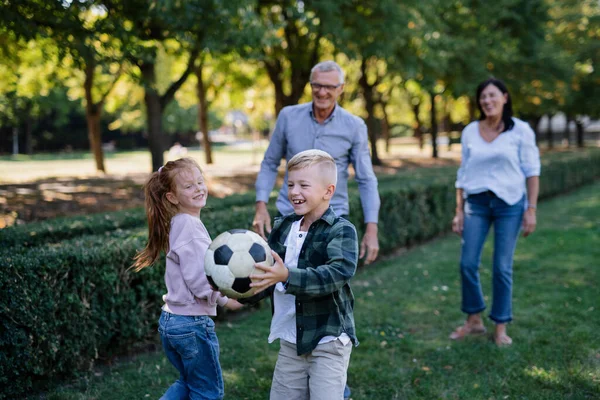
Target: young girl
(175,194)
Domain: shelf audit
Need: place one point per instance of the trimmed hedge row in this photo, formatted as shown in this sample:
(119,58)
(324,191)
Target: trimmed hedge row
(58,229)
(65,305)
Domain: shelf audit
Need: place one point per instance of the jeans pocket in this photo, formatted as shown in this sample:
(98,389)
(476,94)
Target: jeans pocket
(186,345)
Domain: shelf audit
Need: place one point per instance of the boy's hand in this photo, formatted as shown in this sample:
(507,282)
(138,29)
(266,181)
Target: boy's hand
(233,305)
(277,273)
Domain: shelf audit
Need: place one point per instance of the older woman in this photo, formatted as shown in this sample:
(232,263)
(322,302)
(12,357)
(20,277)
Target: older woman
(497,184)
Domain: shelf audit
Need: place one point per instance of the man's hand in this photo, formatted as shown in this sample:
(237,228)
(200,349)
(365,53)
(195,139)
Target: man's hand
(370,243)
(529,222)
(233,305)
(262,220)
(277,273)
(458,222)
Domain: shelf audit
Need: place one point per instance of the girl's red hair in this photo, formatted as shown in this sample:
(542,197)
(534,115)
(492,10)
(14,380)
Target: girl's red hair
(159,210)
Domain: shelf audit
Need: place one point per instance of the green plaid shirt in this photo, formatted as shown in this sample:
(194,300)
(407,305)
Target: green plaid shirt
(327,261)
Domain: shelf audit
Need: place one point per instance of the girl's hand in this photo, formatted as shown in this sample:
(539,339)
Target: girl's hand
(233,305)
(277,273)
(458,223)
(529,222)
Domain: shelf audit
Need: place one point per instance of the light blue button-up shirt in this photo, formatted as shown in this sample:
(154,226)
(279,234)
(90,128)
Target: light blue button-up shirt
(342,135)
(502,165)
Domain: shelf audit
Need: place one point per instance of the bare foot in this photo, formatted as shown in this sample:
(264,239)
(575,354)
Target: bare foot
(502,340)
(466,330)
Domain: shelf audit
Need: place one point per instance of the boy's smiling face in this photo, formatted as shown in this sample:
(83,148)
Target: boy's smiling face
(309,192)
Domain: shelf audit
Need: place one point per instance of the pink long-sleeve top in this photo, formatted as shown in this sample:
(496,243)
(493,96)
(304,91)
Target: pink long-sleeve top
(189,292)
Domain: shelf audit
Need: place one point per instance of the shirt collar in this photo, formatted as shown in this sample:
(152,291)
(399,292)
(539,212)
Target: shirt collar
(328,216)
(328,119)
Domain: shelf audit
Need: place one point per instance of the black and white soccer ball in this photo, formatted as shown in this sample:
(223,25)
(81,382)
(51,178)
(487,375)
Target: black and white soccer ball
(230,260)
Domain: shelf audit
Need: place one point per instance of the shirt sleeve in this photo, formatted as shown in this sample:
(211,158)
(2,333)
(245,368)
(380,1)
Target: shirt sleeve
(464,150)
(342,258)
(191,262)
(268,168)
(529,154)
(360,157)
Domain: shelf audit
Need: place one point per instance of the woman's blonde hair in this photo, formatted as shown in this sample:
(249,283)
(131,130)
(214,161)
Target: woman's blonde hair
(159,210)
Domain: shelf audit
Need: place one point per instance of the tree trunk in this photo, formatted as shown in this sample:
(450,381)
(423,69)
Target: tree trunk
(580,132)
(550,133)
(367,91)
(28,137)
(567,134)
(203,115)
(15,141)
(93,112)
(156,142)
(434,126)
(297,84)
(447,122)
(95,136)
(385,129)
(418,127)
(534,121)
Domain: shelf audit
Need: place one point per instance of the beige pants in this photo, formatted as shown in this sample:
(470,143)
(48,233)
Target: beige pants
(319,375)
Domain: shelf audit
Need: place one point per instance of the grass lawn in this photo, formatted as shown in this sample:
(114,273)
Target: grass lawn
(406,307)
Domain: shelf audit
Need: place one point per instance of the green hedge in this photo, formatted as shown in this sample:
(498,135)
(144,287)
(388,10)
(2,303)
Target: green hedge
(65,305)
(64,228)
(58,229)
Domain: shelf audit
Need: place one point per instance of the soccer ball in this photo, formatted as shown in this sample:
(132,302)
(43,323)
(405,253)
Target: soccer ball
(230,259)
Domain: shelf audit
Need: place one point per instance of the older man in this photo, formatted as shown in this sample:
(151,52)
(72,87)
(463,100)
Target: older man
(322,124)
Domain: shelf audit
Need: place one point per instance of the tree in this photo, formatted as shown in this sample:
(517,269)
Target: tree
(214,73)
(79,31)
(176,28)
(372,31)
(575,29)
(293,33)
(28,74)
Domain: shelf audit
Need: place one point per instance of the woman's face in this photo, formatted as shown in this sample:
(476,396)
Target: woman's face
(492,101)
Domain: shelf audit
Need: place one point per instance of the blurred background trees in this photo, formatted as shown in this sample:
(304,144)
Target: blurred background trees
(78,74)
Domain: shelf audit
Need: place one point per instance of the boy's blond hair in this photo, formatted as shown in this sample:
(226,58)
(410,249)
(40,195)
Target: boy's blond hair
(322,159)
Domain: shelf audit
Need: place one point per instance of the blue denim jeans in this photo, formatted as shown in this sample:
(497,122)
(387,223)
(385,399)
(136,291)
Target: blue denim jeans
(481,211)
(191,345)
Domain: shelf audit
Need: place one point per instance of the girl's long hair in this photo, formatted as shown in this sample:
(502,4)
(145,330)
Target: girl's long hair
(507,111)
(159,210)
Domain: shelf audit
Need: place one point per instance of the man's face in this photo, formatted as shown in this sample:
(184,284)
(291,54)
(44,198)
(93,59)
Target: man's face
(326,89)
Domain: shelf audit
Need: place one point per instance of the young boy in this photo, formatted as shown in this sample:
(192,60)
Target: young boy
(311,297)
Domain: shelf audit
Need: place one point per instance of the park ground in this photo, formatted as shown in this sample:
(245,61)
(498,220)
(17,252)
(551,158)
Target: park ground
(34,188)
(406,306)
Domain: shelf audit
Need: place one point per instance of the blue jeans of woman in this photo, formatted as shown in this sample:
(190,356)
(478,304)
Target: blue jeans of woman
(481,211)
(191,345)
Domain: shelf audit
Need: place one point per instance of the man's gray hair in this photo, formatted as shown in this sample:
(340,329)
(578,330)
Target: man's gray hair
(326,66)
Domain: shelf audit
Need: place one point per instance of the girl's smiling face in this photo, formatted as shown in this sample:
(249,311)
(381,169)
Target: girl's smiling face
(190,192)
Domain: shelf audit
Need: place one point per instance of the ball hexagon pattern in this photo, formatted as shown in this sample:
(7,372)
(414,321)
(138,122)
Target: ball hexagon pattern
(230,259)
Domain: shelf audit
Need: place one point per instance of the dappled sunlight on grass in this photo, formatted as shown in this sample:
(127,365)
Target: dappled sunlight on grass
(551,376)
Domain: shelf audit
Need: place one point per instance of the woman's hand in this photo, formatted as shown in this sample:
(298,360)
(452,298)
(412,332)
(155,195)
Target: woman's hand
(458,222)
(529,222)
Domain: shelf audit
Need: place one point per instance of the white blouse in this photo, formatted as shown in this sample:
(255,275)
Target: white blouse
(502,165)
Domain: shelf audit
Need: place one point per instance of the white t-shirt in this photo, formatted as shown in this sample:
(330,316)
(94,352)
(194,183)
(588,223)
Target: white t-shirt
(283,324)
